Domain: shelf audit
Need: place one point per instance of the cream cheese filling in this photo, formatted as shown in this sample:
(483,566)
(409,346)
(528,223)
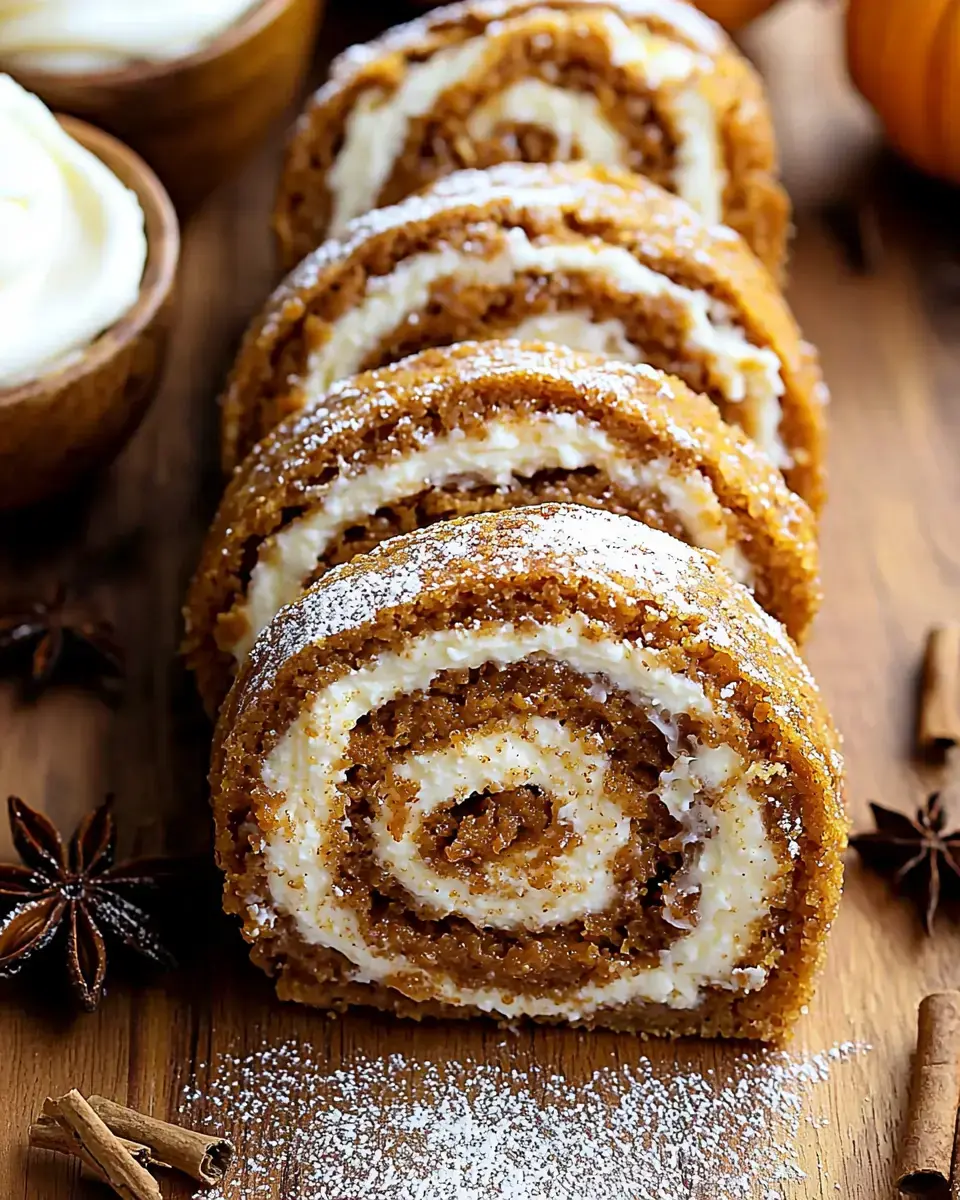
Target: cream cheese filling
(79,36)
(377,126)
(578,329)
(575,119)
(735,872)
(73,246)
(748,375)
(700,175)
(510,447)
(539,753)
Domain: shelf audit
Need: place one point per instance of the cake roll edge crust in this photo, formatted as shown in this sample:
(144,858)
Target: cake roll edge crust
(482,401)
(687,613)
(750,197)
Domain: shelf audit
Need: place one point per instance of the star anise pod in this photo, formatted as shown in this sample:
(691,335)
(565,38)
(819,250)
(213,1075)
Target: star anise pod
(79,890)
(46,639)
(913,850)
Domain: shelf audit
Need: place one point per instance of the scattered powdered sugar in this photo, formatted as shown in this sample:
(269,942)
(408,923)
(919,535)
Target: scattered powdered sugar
(562,540)
(688,23)
(561,192)
(399,1128)
(383,397)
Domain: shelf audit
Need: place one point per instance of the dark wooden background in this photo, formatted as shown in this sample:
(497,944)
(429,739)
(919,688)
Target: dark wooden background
(889,333)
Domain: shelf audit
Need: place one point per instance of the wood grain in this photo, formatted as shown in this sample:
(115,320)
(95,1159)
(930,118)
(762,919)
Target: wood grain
(890,341)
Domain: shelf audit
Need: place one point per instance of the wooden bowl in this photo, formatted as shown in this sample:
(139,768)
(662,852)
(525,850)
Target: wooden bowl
(194,119)
(61,425)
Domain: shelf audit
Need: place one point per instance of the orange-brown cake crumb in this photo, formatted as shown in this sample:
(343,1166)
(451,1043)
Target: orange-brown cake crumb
(657,89)
(596,259)
(546,763)
(483,427)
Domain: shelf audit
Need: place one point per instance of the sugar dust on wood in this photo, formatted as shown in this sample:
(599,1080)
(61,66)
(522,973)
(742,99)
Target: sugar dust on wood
(398,1129)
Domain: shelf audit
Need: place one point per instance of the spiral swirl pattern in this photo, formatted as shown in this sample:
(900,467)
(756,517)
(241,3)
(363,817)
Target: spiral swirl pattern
(541,815)
(648,85)
(575,869)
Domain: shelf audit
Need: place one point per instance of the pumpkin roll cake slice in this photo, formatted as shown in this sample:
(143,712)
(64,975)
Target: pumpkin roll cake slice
(648,85)
(546,763)
(600,260)
(484,426)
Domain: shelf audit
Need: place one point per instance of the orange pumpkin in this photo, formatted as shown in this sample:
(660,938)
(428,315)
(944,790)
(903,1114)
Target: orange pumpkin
(904,56)
(733,13)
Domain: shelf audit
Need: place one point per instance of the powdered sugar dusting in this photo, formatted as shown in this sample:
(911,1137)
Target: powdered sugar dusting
(399,1128)
(540,189)
(383,395)
(566,541)
(588,548)
(686,22)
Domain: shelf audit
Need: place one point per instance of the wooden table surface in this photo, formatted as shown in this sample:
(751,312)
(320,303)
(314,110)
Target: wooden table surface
(890,341)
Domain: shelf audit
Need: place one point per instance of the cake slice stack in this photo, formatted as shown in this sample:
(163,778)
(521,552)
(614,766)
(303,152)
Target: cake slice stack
(497,608)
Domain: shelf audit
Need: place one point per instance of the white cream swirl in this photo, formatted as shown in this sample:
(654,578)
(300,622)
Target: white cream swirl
(706,328)
(379,122)
(104,35)
(72,241)
(735,871)
(511,448)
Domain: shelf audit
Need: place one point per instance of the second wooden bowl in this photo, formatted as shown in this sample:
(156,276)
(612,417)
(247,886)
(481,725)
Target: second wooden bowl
(61,425)
(194,119)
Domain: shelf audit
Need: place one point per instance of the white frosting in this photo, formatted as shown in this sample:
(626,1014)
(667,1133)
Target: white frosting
(511,447)
(577,328)
(700,174)
(107,35)
(72,241)
(377,126)
(576,120)
(748,375)
(539,753)
(657,60)
(389,301)
(735,870)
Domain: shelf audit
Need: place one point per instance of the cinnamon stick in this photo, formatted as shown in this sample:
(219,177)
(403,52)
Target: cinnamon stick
(47,1133)
(202,1156)
(939,725)
(107,1153)
(927,1151)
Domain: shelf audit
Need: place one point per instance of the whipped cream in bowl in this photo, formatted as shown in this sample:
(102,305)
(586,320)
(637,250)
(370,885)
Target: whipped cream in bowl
(89,248)
(86,36)
(72,241)
(193,86)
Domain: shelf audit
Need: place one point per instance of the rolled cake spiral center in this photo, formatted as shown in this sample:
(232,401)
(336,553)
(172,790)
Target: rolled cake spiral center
(632,852)
(505,893)
(499,826)
(547,762)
